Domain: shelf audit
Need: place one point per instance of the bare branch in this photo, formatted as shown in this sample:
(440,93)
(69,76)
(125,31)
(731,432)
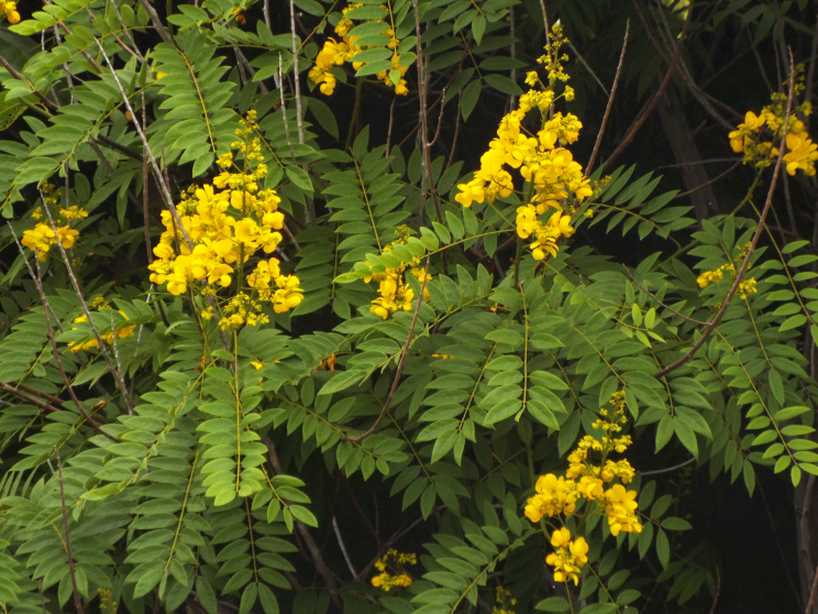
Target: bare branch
(595,152)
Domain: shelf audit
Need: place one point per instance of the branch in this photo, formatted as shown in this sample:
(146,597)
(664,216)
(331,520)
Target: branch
(36,277)
(646,111)
(423,113)
(296,78)
(160,179)
(595,152)
(745,263)
(115,371)
(78,607)
(315,552)
(401,360)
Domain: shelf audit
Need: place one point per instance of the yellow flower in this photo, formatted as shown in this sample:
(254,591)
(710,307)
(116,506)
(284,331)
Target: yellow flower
(531,78)
(219,227)
(757,137)
(554,496)
(338,52)
(620,508)
(569,557)
(801,154)
(8,9)
(392,568)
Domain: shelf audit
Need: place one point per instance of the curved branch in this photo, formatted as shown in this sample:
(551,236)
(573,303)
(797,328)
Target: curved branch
(745,263)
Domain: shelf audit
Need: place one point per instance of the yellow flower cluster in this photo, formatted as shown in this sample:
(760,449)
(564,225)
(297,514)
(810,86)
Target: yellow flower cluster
(42,237)
(392,570)
(558,184)
(746,287)
(122,332)
(221,228)
(758,137)
(504,601)
(569,556)
(594,477)
(394,291)
(338,52)
(8,9)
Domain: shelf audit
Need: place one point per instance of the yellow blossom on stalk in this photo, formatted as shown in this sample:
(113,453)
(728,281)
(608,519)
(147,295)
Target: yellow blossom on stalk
(554,496)
(223,234)
(595,478)
(746,288)
(569,556)
(394,291)
(8,10)
(620,508)
(41,238)
(557,182)
(758,137)
(392,570)
(121,332)
(346,49)
(504,601)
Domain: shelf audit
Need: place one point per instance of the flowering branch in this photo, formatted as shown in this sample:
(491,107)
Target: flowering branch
(745,263)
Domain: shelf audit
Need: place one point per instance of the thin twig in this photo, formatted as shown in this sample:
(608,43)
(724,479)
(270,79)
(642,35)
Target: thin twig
(389,124)
(545,21)
(587,67)
(598,142)
(812,592)
(343,548)
(717,592)
(668,469)
(404,351)
(78,607)
(156,21)
(709,181)
(644,114)
(49,313)
(22,394)
(21,77)
(280,85)
(813,58)
(115,371)
(314,551)
(296,78)
(160,179)
(423,113)
(745,263)
(439,118)
(265,9)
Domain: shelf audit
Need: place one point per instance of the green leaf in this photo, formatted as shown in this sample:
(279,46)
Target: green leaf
(552,604)
(468,98)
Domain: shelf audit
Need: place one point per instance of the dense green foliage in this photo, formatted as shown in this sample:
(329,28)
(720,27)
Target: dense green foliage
(153,461)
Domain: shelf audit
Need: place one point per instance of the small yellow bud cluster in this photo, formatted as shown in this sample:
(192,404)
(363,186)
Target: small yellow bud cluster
(558,182)
(107,603)
(504,601)
(338,52)
(569,556)
(394,291)
(746,288)
(392,570)
(220,228)
(554,58)
(42,237)
(122,332)
(8,9)
(591,480)
(758,136)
